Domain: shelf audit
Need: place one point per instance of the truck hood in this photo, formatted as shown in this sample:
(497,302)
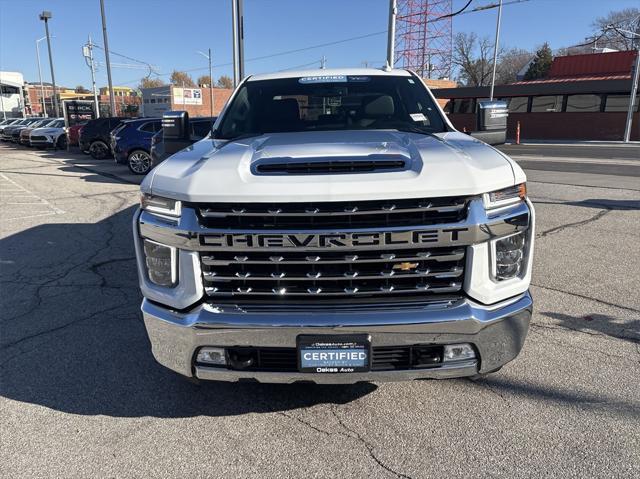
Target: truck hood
(445,164)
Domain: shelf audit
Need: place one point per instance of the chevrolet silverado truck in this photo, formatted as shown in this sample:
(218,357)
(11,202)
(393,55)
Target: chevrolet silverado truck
(334,228)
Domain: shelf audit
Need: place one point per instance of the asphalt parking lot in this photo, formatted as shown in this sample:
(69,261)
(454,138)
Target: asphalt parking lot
(81,395)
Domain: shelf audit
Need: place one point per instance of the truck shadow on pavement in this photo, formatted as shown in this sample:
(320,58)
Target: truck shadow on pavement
(72,337)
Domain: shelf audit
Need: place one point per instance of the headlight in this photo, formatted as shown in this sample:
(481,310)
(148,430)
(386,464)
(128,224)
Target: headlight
(161,206)
(505,196)
(161,263)
(509,254)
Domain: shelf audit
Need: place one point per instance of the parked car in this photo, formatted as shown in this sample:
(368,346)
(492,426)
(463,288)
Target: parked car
(25,133)
(7,132)
(131,143)
(336,229)
(9,122)
(94,136)
(53,135)
(200,127)
(73,133)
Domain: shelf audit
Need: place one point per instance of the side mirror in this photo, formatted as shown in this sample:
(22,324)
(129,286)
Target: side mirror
(175,131)
(492,122)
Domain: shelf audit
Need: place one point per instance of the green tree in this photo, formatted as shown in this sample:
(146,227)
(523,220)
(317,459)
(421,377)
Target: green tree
(225,82)
(181,79)
(541,63)
(81,89)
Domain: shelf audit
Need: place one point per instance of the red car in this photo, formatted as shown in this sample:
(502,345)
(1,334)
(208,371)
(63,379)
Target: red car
(74,133)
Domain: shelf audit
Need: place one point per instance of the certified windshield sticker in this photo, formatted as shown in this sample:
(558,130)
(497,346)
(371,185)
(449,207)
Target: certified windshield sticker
(324,79)
(418,117)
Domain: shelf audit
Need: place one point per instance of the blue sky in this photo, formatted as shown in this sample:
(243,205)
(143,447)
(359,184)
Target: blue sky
(168,33)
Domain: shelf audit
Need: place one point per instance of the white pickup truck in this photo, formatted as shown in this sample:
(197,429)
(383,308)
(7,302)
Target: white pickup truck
(335,228)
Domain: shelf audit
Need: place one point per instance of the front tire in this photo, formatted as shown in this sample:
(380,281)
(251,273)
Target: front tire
(61,143)
(99,150)
(139,162)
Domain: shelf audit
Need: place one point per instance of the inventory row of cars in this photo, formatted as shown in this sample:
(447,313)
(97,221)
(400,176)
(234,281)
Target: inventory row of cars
(38,132)
(134,142)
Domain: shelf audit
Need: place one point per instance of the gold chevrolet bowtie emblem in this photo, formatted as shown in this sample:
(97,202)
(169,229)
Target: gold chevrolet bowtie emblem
(405,266)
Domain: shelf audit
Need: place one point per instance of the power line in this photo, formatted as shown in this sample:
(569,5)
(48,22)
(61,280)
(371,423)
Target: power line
(454,13)
(320,45)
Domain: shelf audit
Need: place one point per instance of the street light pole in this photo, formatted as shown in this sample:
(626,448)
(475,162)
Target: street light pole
(112,98)
(45,16)
(44,103)
(495,50)
(208,57)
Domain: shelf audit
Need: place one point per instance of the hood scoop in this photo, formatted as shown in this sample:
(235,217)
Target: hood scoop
(374,163)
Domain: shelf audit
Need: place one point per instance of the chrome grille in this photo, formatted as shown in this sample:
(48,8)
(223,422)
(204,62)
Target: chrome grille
(328,215)
(328,274)
(331,272)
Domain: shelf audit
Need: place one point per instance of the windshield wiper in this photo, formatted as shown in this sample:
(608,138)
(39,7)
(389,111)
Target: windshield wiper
(413,129)
(239,137)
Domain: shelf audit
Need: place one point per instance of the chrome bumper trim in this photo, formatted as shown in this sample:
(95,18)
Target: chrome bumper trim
(497,331)
(452,370)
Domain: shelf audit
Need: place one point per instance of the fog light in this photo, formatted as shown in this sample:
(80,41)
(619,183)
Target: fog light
(161,263)
(456,352)
(509,255)
(212,356)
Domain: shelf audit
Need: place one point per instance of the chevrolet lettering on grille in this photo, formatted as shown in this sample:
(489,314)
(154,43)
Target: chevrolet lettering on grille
(360,240)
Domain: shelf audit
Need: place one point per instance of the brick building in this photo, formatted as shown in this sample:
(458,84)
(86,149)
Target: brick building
(584,97)
(196,101)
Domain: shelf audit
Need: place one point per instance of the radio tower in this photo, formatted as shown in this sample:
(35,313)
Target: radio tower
(423,38)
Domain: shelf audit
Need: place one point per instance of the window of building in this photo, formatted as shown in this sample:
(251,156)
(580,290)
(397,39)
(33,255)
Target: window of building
(146,100)
(583,102)
(463,105)
(548,103)
(620,103)
(153,100)
(517,104)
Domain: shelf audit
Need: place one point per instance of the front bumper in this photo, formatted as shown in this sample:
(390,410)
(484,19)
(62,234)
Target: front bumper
(497,332)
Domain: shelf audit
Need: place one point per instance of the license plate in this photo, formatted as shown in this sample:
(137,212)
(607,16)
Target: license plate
(329,354)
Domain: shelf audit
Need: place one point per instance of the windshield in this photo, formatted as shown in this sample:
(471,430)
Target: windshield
(336,102)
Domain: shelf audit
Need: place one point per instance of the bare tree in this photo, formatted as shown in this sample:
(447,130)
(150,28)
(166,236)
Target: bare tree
(474,57)
(626,19)
(510,63)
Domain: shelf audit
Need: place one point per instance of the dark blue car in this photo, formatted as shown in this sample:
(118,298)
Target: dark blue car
(131,143)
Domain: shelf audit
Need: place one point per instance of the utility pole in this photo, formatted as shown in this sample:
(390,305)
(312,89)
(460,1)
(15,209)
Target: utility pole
(45,16)
(323,62)
(44,103)
(112,98)
(87,51)
(237,19)
(495,51)
(391,33)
